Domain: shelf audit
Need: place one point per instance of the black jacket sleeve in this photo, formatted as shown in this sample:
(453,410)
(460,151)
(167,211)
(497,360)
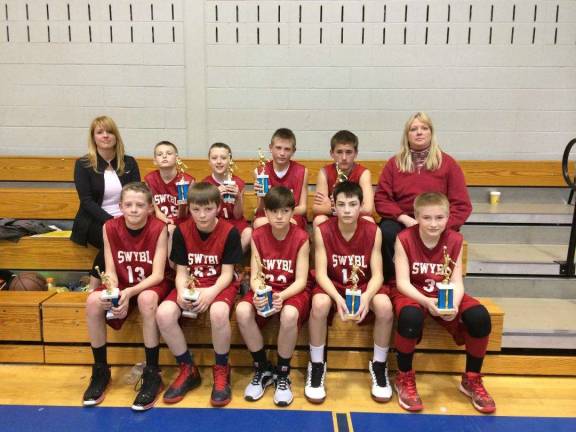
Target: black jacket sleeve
(84,180)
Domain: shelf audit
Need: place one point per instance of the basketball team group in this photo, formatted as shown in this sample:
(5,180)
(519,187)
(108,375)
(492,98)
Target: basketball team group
(169,248)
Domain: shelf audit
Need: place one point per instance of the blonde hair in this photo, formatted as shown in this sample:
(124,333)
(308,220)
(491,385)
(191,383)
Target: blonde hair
(110,126)
(429,199)
(404,158)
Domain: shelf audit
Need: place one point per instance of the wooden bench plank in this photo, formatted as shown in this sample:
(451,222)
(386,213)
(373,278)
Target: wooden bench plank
(20,318)
(11,353)
(38,203)
(477,172)
(45,253)
(64,321)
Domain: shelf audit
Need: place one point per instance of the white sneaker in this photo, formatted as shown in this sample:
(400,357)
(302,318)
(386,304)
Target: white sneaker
(260,381)
(381,389)
(314,390)
(283,395)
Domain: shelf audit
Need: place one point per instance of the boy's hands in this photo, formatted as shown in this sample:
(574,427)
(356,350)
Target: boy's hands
(341,308)
(205,299)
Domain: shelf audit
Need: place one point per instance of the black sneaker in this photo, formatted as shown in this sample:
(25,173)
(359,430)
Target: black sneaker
(150,387)
(188,379)
(94,394)
(381,390)
(221,390)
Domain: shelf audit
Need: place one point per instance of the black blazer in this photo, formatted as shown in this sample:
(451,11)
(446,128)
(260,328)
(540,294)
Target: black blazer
(90,188)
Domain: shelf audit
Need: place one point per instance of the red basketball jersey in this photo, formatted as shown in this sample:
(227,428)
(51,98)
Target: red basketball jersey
(332,175)
(205,256)
(342,254)
(425,264)
(279,256)
(293,179)
(133,255)
(164,194)
(227,209)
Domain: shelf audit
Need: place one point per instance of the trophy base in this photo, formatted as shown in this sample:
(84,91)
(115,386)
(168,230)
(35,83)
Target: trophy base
(352,317)
(109,315)
(113,296)
(191,296)
(189,314)
(447,311)
(267,313)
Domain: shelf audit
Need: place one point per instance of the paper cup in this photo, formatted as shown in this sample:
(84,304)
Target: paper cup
(494,197)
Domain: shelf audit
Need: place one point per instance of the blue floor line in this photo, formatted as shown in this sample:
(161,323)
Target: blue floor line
(370,422)
(20,418)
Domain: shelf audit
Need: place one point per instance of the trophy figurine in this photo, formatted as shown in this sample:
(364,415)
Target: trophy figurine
(181,185)
(446,288)
(110,293)
(263,291)
(341,176)
(229,198)
(353,294)
(191,294)
(261,177)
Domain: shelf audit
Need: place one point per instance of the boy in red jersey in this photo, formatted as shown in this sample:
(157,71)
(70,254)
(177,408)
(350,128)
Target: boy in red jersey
(419,253)
(219,158)
(342,244)
(207,248)
(135,250)
(282,249)
(283,171)
(162,183)
(344,150)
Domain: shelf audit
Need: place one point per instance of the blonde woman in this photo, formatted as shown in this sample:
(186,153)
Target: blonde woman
(99,176)
(420,166)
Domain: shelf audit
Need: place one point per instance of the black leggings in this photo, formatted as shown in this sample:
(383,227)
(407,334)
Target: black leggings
(390,229)
(96,239)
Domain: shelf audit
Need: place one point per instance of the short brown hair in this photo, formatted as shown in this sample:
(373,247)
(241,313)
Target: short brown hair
(349,189)
(344,137)
(279,197)
(137,187)
(203,194)
(167,143)
(284,133)
(220,145)
(429,199)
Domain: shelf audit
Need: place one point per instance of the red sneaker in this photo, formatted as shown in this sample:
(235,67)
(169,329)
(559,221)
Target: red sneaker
(221,391)
(408,396)
(473,387)
(188,379)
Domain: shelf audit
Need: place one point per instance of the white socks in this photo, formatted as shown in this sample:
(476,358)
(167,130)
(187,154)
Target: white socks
(317,354)
(380,354)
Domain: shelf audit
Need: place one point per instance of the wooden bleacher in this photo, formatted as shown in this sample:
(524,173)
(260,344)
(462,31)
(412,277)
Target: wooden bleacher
(28,192)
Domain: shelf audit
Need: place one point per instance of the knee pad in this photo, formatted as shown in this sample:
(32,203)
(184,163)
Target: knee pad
(477,321)
(410,322)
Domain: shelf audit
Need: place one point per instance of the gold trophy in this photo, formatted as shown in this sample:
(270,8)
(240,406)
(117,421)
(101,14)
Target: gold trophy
(191,294)
(353,294)
(110,293)
(340,175)
(446,288)
(263,291)
(261,177)
(229,198)
(182,185)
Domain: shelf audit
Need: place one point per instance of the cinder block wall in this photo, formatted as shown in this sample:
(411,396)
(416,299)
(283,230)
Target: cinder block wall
(498,77)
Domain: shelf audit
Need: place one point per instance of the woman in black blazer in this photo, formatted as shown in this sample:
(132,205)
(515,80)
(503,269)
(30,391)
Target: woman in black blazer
(99,177)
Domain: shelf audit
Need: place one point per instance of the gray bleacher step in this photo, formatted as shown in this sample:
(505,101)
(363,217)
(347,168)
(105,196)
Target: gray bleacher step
(515,194)
(517,259)
(513,286)
(516,234)
(538,323)
(542,213)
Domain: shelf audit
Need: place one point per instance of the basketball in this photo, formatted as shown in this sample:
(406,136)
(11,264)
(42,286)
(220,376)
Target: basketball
(28,281)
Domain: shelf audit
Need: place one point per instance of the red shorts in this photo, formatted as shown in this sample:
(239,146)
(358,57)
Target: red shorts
(455,327)
(384,289)
(227,295)
(300,301)
(239,224)
(162,290)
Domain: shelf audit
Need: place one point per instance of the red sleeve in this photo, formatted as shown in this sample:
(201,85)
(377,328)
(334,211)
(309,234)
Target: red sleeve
(384,201)
(457,192)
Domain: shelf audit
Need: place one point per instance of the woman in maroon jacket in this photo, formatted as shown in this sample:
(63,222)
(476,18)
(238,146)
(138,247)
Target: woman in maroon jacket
(419,167)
